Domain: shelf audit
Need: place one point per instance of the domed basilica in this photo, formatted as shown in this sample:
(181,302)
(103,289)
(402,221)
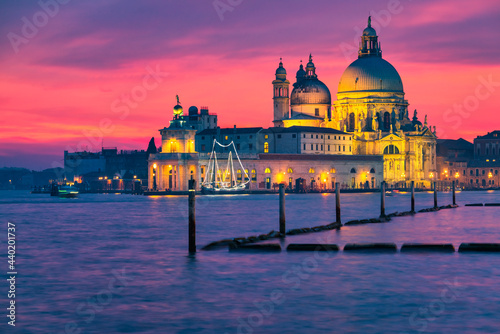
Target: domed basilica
(370,105)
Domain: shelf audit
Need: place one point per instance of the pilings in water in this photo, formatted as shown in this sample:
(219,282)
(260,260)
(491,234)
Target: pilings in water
(382,199)
(435,196)
(337,202)
(282,209)
(412,196)
(453,191)
(192,216)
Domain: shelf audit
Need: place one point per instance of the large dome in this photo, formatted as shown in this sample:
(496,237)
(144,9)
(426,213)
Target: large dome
(310,91)
(370,74)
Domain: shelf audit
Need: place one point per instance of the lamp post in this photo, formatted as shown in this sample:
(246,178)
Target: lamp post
(154,176)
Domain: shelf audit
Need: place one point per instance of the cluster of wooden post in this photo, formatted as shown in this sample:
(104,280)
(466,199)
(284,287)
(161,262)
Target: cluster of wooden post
(282,220)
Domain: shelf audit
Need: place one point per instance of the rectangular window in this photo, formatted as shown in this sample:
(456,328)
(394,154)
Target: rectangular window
(202,148)
(250,136)
(322,147)
(339,148)
(294,135)
(316,136)
(238,146)
(344,148)
(250,146)
(343,138)
(312,136)
(321,136)
(335,137)
(279,136)
(328,148)
(312,147)
(202,137)
(350,148)
(328,137)
(316,111)
(304,147)
(316,147)
(237,137)
(304,135)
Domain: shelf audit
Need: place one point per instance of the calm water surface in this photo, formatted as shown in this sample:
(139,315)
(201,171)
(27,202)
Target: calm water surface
(118,264)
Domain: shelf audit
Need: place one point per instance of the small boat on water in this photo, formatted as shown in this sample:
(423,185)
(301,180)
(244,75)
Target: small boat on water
(388,193)
(67,192)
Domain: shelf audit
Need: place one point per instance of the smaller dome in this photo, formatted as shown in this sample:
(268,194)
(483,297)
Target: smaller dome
(369,31)
(280,70)
(310,64)
(193,110)
(300,73)
(178,110)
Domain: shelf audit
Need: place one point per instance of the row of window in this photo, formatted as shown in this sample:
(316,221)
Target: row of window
(238,147)
(329,137)
(227,137)
(483,172)
(319,147)
(311,170)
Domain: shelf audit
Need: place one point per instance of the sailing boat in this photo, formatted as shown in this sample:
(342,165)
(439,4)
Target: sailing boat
(220,176)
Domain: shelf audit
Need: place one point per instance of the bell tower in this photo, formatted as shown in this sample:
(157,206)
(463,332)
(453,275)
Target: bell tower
(281,95)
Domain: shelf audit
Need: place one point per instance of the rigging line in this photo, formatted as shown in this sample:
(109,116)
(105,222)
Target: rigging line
(237,156)
(221,145)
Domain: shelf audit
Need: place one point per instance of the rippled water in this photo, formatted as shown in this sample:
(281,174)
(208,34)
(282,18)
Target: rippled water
(71,251)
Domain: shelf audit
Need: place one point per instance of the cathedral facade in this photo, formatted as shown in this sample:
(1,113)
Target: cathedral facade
(370,105)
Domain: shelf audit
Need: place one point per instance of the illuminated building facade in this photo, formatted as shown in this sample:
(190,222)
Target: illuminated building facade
(371,107)
(367,128)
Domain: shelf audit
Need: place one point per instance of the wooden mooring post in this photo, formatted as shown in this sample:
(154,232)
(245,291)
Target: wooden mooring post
(282,209)
(337,202)
(382,199)
(435,195)
(453,191)
(192,216)
(412,196)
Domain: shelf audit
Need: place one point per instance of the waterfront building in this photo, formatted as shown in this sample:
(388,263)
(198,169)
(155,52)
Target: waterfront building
(368,127)
(471,165)
(109,169)
(313,157)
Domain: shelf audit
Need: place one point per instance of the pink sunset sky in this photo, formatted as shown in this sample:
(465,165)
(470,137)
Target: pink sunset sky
(68,70)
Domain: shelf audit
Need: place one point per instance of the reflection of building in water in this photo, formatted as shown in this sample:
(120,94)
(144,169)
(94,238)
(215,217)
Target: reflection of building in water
(368,128)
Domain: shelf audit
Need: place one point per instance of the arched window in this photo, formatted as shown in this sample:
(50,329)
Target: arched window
(290,171)
(333,170)
(311,170)
(387,121)
(268,170)
(254,175)
(353,170)
(372,171)
(352,119)
(266,147)
(391,149)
